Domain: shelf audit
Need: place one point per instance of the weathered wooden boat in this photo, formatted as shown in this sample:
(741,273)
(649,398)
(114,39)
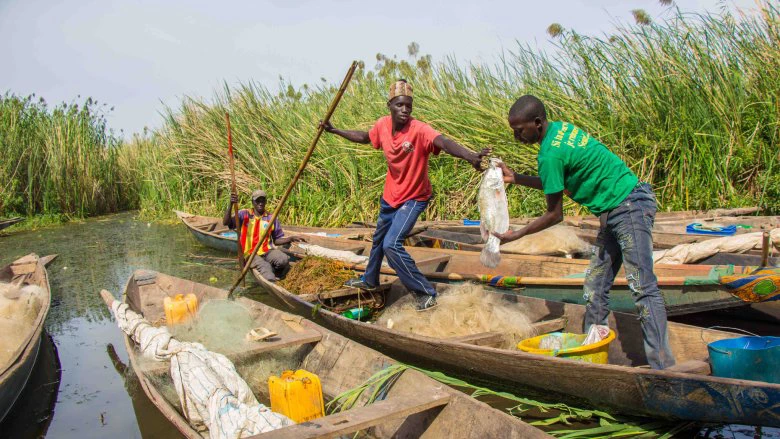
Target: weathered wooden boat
(33,411)
(9,222)
(469,239)
(210,232)
(730,216)
(28,270)
(413,406)
(686,391)
(686,288)
(666,233)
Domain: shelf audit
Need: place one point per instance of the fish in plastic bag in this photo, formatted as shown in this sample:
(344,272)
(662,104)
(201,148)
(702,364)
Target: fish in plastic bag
(493,211)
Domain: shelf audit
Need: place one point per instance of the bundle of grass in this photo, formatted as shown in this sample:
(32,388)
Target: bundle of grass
(462,310)
(314,274)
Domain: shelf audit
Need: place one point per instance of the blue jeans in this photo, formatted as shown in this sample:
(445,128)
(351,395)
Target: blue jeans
(391,229)
(626,238)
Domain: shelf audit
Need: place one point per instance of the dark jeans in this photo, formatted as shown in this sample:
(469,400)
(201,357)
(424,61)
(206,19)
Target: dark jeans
(626,238)
(391,229)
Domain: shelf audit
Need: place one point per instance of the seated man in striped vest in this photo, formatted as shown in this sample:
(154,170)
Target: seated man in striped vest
(271,262)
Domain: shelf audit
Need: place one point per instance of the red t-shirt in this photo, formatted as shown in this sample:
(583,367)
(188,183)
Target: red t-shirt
(407,155)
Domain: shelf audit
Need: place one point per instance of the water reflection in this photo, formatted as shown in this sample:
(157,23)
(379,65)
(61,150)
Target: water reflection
(93,400)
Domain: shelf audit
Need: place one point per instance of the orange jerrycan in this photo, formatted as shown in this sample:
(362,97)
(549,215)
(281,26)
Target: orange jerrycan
(180,308)
(297,395)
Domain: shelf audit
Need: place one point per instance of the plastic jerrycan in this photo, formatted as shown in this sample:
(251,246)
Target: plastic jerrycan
(180,308)
(297,395)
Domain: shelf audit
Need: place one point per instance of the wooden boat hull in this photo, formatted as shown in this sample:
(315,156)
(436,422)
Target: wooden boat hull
(664,394)
(208,231)
(9,222)
(14,378)
(340,363)
(687,288)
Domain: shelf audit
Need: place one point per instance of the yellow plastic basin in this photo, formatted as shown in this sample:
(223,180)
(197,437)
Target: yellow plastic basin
(592,353)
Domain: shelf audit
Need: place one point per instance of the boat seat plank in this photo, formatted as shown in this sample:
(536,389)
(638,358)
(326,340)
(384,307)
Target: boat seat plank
(437,261)
(342,292)
(489,338)
(698,367)
(553,325)
(361,418)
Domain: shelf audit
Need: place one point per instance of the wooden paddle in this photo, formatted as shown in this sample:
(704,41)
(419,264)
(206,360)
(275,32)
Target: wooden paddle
(290,187)
(233,191)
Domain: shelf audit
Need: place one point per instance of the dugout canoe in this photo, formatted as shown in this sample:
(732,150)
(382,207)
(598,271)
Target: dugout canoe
(28,270)
(666,233)
(686,288)
(412,406)
(9,222)
(210,232)
(686,391)
(471,240)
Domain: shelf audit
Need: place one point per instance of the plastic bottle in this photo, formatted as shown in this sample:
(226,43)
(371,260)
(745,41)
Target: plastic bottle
(180,308)
(357,313)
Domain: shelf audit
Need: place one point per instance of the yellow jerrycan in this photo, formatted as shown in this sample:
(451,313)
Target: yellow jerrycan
(180,308)
(297,395)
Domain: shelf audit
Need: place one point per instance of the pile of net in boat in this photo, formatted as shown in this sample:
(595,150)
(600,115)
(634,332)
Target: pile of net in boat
(695,252)
(493,212)
(314,274)
(211,392)
(220,326)
(557,240)
(462,310)
(19,307)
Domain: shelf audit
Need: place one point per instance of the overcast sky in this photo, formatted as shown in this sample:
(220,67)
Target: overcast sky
(137,55)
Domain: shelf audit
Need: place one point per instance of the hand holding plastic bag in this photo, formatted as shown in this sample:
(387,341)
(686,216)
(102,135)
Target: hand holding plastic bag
(493,211)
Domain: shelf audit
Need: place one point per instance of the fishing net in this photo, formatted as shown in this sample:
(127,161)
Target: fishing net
(493,211)
(19,307)
(315,274)
(556,240)
(211,392)
(462,310)
(220,326)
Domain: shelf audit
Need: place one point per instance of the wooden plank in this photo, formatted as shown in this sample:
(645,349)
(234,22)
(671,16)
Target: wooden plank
(20,269)
(546,326)
(438,262)
(699,367)
(361,418)
(490,338)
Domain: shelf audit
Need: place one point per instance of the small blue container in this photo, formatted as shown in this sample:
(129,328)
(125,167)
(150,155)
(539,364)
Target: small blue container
(468,222)
(697,229)
(746,358)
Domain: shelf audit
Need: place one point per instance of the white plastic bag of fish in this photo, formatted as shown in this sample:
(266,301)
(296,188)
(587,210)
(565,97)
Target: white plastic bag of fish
(493,212)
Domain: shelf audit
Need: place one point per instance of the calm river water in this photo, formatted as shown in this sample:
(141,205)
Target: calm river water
(81,387)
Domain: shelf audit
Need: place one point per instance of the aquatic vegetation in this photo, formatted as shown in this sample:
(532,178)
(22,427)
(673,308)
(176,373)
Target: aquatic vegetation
(690,102)
(61,161)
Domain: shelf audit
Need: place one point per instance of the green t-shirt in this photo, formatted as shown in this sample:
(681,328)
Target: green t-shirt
(570,159)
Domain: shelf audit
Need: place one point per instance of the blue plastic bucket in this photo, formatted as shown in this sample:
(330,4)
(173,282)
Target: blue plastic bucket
(747,358)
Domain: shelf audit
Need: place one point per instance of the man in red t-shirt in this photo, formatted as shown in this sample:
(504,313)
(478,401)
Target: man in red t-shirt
(406,143)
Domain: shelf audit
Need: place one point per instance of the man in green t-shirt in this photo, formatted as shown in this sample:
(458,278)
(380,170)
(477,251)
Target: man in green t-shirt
(571,161)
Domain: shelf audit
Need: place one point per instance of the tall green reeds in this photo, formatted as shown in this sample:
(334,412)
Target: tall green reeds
(692,104)
(60,161)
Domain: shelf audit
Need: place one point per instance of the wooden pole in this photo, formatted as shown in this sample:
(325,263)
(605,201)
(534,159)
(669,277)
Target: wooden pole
(233,191)
(290,187)
(765,250)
